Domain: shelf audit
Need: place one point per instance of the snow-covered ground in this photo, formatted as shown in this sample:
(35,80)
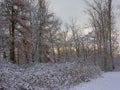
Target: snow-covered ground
(60,76)
(43,76)
(108,81)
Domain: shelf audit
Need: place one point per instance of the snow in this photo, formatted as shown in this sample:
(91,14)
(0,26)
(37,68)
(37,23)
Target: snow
(108,81)
(43,76)
(56,77)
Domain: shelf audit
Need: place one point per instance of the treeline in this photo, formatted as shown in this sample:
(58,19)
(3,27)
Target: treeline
(30,33)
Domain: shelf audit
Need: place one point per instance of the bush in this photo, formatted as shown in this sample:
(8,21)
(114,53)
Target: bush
(45,76)
(62,75)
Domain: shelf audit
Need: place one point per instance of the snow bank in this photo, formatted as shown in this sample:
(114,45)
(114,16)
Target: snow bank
(45,76)
(108,81)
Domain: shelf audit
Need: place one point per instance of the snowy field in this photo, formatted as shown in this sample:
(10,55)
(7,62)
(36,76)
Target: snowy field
(108,81)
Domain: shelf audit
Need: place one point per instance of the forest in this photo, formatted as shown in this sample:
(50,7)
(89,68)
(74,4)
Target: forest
(38,51)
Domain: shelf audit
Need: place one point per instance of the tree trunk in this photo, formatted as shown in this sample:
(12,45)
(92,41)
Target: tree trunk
(12,48)
(110,30)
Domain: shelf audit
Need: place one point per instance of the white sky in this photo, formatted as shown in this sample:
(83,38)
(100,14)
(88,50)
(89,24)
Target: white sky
(66,9)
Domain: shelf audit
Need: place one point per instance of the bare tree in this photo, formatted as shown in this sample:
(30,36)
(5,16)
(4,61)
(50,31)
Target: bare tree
(45,25)
(103,26)
(75,30)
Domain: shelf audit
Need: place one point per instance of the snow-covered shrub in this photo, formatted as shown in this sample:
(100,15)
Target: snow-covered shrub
(62,75)
(11,77)
(45,76)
